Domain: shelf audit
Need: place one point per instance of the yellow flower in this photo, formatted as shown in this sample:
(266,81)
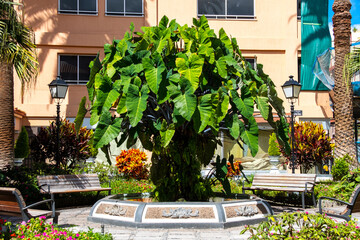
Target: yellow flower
(326,168)
(305,218)
(272,219)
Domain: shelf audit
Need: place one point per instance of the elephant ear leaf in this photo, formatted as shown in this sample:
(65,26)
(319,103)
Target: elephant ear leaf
(191,69)
(263,106)
(95,67)
(80,115)
(249,134)
(136,102)
(106,130)
(185,103)
(153,72)
(166,133)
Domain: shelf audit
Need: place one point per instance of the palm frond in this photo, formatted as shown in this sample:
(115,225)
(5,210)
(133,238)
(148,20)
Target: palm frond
(17,45)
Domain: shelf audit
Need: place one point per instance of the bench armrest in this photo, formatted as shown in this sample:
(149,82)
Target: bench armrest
(306,183)
(330,198)
(48,188)
(38,203)
(334,199)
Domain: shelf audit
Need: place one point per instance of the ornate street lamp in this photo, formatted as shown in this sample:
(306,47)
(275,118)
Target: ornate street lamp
(58,89)
(291,90)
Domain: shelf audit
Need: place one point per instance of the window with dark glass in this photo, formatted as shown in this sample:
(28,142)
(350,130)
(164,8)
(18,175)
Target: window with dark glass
(74,69)
(252,62)
(226,8)
(299,9)
(78,7)
(124,7)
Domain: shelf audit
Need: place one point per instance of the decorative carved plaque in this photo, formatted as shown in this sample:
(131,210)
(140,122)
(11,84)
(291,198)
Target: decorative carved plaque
(246,211)
(180,213)
(115,210)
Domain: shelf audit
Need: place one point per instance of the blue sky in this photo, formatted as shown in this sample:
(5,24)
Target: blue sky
(355,12)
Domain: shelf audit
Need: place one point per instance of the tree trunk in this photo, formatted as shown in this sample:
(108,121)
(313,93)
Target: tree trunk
(343,94)
(6,114)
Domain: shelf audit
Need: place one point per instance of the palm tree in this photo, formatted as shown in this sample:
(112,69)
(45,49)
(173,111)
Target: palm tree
(343,102)
(16,52)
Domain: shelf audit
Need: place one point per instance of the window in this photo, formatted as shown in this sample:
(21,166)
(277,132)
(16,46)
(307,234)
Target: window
(74,69)
(124,8)
(78,7)
(299,9)
(228,9)
(252,62)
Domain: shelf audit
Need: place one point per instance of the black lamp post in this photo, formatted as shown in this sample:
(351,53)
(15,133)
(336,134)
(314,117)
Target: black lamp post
(58,89)
(291,90)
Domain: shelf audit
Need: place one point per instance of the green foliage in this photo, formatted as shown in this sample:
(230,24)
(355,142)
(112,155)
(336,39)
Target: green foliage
(104,171)
(37,228)
(341,167)
(313,146)
(121,186)
(302,225)
(24,179)
(175,87)
(22,148)
(17,43)
(74,146)
(273,146)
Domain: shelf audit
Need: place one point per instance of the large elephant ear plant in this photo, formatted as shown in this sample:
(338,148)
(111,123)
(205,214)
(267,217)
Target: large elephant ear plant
(175,88)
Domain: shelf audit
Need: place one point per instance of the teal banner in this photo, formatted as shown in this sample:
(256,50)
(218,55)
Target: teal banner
(315,39)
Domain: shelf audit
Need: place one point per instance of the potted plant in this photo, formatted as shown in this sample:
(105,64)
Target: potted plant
(22,148)
(274,152)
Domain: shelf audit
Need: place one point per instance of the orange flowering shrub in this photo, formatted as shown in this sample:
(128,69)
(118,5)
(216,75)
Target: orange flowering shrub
(131,163)
(238,167)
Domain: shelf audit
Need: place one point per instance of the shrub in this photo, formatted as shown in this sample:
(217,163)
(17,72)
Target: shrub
(313,147)
(131,164)
(341,167)
(301,225)
(273,146)
(22,148)
(236,171)
(73,147)
(37,228)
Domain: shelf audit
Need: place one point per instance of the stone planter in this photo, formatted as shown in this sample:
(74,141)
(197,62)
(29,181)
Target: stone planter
(91,160)
(274,161)
(18,161)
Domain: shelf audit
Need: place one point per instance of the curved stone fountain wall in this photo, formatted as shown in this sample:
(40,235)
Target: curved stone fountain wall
(179,214)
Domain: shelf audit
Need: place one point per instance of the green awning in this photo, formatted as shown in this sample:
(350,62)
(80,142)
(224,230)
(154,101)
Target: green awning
(315,39)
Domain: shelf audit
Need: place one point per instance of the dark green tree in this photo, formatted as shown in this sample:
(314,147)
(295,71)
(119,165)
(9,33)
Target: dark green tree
(175,88)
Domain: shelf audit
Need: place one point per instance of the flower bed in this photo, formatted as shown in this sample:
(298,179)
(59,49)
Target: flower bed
(37,228)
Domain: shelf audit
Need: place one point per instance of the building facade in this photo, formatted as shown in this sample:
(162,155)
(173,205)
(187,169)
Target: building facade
(69,33)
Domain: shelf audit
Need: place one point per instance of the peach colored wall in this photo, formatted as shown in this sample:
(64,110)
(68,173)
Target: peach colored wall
(273,37)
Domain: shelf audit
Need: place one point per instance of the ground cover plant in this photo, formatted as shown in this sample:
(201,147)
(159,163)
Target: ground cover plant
(301,225)
(175,88)
(37,228)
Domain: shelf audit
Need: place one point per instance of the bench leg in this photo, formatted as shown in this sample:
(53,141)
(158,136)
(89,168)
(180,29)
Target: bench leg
(303,199)
(53,206)
(314,200)
(56,219)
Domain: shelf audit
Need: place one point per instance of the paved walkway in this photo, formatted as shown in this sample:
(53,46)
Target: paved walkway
(76,219)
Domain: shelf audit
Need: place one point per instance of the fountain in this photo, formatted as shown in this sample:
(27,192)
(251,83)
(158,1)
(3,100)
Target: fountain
(115,210)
